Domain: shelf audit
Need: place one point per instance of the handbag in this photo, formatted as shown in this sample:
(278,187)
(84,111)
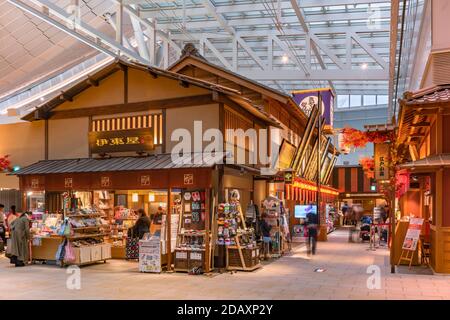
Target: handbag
(69,255)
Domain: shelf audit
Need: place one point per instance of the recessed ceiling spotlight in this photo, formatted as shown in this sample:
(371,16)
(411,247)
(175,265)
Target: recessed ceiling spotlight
(364,66)
(285,59)
(41,98)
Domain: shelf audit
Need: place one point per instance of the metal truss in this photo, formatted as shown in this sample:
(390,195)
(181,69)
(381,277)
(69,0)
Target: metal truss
(283,43)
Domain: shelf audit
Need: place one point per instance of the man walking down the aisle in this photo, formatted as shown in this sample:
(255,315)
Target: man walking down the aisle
(312,223)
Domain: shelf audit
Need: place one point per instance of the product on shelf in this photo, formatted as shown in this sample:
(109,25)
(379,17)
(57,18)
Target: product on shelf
(192,234)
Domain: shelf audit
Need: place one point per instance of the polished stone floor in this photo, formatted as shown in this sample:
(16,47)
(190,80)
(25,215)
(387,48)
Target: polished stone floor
(345,276)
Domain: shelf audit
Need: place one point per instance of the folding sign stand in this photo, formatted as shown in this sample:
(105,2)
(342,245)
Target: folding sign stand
(407,255)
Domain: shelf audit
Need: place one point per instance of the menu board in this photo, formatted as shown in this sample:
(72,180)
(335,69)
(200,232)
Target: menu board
(150,255)
(413,234)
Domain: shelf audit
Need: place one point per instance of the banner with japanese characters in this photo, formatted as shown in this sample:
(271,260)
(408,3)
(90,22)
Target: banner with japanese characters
(138,140)
(381,161)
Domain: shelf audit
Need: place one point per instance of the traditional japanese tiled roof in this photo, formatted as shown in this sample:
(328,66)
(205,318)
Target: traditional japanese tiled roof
(436,94)
(152,162)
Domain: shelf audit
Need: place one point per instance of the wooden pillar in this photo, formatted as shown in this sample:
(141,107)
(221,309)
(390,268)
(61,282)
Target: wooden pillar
(169,229)
(207,229)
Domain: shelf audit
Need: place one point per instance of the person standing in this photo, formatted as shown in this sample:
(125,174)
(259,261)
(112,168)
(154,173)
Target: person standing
(20,237)
(345,209)
(10,217)
(312,223)
(142,225)
(265,228)
(2,226)
(155,228)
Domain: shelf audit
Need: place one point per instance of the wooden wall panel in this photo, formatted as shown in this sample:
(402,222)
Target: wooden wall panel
(354,179)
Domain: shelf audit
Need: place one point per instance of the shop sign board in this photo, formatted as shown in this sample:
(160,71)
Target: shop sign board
(145,180)
(150,255)
(35,183)
(413,234)
(381,161)
(138,140)
(105,182)
(288,177)
(308,99)
(188,178)
(286,155)
(68,183)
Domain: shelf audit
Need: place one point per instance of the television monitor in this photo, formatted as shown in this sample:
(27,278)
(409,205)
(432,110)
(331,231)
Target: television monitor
(300,211)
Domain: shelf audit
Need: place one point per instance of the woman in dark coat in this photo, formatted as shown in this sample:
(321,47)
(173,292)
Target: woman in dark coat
(142,225)
(20,236)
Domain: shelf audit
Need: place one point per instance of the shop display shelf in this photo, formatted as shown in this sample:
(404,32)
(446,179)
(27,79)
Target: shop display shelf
(86,228)
(84,236)
(88,215)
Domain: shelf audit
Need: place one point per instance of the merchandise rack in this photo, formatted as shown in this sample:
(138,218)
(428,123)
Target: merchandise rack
(245,264)
(95,252)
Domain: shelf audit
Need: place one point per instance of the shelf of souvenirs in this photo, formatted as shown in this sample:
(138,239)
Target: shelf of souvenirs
(192,233)
(86,236)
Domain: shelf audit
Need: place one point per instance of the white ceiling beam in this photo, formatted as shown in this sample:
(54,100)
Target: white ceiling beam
(242,8)
(164,22)
(217,53)
(370,50)
(316,75)
(101,42)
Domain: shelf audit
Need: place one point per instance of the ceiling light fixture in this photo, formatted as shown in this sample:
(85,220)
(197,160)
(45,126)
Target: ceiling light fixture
(285,59)
(364,66)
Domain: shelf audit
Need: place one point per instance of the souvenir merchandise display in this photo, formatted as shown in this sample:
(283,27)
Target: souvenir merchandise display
(150,254)
(122,220)
(277,219)
(331,217)
(83,238)
(190,249)
(242,252)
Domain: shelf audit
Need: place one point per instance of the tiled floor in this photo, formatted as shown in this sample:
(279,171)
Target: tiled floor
(291,277)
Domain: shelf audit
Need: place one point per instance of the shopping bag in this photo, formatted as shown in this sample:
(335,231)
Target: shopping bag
(132,246)
(67,229)
(60,253)
(69,255)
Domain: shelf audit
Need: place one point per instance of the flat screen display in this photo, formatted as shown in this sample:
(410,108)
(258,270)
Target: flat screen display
(300,211)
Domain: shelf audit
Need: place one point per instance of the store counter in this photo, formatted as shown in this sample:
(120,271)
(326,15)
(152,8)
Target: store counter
(47,248)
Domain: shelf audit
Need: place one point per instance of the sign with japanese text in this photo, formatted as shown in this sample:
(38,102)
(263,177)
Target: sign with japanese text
(105,182)
(35,183)
(308,99)
(381,161)
(188,178)
(413,234)
(68,183)
(145,180)
(138,140)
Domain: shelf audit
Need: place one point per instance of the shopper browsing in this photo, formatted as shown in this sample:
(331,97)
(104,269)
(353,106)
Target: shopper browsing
(10,217)
(155,228)
(20,237)
(142,225)
(265,230)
